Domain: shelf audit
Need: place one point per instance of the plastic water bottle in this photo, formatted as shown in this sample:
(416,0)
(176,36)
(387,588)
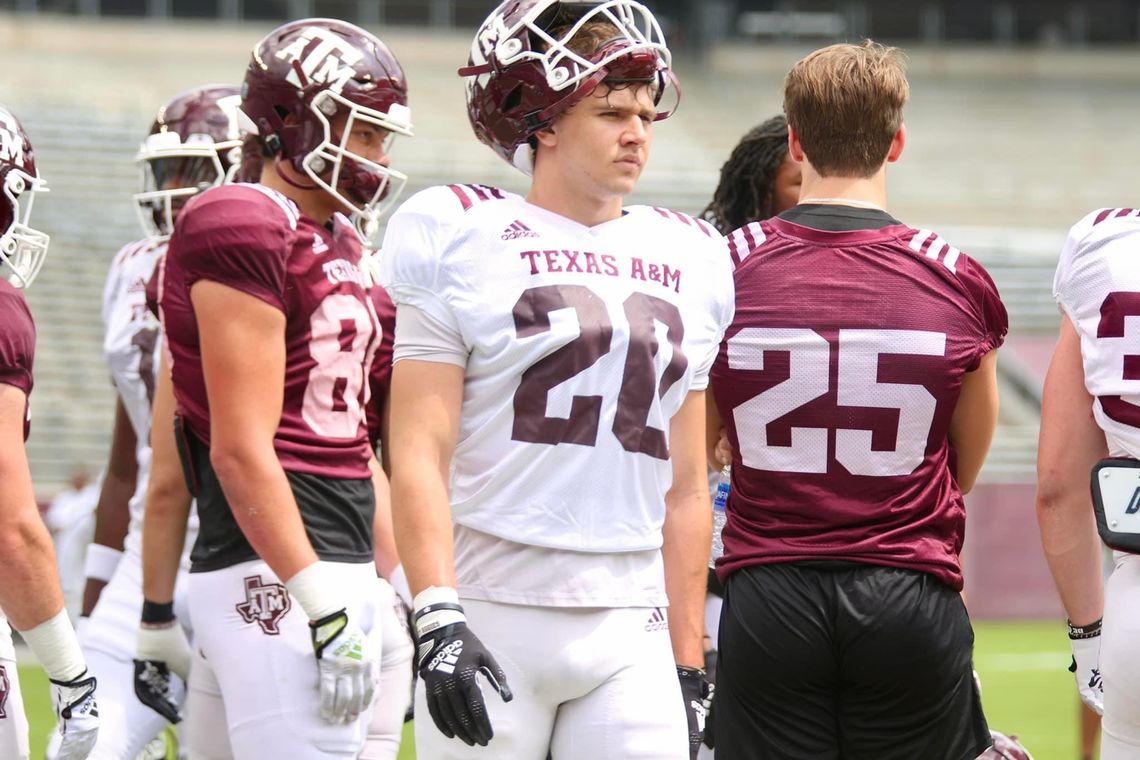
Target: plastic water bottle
(720,501)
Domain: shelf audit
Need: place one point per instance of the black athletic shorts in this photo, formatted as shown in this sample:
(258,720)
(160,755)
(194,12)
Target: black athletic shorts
(845,661)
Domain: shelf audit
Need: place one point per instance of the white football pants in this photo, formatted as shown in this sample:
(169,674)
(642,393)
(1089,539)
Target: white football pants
(253,684)
(1120,728)
(588,684)
(13,720)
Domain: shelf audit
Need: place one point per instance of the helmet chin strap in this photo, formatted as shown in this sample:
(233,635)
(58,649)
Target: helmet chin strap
(290,181)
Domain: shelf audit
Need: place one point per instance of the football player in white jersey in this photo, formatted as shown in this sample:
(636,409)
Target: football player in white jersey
(194,143)
(548,477)
(30,592)
(1091,410)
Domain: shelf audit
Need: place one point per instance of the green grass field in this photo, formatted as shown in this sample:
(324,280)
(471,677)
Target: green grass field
(1025,685)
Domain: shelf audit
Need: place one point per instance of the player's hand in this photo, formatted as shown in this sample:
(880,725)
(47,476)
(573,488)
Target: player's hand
(77,716)
(347,665)
(450,657)
(723,449)
(1086,665)
(697,693)
(161,651)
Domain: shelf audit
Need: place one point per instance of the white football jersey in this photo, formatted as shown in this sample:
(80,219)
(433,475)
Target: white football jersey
(132,343)
(582,343)
(1097,285)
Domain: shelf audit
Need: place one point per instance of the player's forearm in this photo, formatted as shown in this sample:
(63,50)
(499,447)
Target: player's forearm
(421,517)
(1073,552)
(687,535)
(383,534)
(112,511)
(29,583)
(164,534)
(263,505)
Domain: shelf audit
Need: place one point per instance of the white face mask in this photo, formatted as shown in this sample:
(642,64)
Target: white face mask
(22,247)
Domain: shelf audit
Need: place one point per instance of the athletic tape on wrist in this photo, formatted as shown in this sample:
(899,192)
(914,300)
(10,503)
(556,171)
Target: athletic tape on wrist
(435,607)
(101,562)
(57,648)
(399,580)
(315,589)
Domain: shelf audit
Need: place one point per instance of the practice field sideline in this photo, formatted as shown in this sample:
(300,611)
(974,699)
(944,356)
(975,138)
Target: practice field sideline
(1025,685)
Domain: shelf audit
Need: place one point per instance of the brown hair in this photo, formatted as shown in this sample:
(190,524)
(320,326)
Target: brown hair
(845,104)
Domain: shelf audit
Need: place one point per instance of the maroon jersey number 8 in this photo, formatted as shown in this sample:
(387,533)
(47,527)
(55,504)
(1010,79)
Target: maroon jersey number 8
(595,333)
(857,386)
(1113,310)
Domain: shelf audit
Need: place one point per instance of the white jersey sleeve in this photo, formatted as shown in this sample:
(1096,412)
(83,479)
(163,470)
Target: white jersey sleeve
(409,262)
(131,344)
(583,343)
(1097,286)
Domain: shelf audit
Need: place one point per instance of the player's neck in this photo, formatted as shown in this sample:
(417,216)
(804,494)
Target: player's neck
(577,204)
(861,191)
(314,203)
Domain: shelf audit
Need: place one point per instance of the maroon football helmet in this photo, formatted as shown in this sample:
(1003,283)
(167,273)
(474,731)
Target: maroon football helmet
(520,77)
(22,248)
(1005,748)
(194,144)
(305,73)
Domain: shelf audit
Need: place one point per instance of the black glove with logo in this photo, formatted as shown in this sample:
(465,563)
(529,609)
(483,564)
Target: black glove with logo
(449,657)
(698,695)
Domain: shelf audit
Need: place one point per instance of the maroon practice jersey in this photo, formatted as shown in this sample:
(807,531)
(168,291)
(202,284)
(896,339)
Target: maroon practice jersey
(255,240)
(837,382)
(17,341)
(381,373)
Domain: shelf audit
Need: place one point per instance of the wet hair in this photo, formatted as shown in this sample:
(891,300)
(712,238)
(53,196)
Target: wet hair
(748,178)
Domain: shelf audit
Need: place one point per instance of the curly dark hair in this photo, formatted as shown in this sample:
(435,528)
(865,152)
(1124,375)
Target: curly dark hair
(748,177)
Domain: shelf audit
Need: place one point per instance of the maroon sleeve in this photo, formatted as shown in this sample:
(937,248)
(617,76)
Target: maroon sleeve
(989,306)
(17,339)
(238,236)
(380,374)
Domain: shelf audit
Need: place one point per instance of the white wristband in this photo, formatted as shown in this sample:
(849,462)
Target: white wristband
(315,589)
(101,562)
(57,648)
(399,580)
(435,607)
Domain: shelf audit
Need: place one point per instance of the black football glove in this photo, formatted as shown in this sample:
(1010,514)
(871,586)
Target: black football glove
(697,693)
(449,658)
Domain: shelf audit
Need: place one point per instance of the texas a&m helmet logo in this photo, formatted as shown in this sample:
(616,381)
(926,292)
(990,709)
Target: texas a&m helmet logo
(11,140)
(265,604)
(5,688)
(322,57)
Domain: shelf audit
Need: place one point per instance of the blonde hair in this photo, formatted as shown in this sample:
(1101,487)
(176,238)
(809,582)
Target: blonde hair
(845,104)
